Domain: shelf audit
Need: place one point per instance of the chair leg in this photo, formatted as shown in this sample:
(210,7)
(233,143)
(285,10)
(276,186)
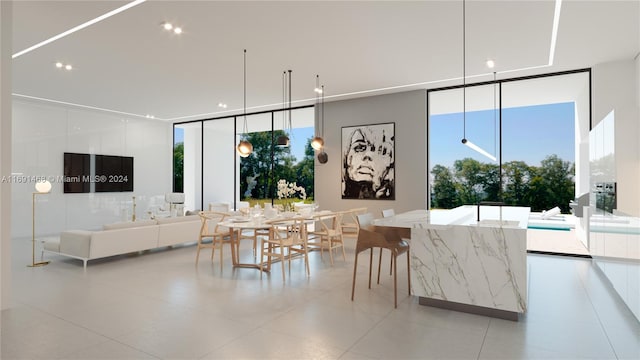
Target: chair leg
(370,265)
(344,255)
(306,262)
(262,258)
(319,238)
(380,265)
(408,272)
(282,262)
(255,245)
(330,243)
(198,254)
(221,246)
(394,261)
(353,285)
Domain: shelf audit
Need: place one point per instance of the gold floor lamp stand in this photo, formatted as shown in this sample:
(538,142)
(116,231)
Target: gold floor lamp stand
(41,188)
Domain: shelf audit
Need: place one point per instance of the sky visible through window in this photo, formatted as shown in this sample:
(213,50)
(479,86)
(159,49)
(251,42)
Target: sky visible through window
(529,134)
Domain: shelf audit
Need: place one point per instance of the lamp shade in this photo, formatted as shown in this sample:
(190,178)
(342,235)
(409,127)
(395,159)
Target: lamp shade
(323,157)
(244,148)
(43,186)
(283,140)
(317,143)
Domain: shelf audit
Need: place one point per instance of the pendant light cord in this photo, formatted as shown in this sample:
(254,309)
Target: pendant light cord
(317,90)
(245,129)
(322,108)
(464,71)
(495,146)
(284,101)
(290,127)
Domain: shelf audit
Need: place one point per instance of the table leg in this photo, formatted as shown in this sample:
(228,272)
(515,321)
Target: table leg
(238,236)
(234,259)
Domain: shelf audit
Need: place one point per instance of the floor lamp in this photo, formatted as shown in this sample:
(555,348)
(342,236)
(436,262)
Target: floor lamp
(42,187)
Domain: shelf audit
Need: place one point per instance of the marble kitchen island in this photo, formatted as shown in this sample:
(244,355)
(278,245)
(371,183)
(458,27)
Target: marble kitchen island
(460,263)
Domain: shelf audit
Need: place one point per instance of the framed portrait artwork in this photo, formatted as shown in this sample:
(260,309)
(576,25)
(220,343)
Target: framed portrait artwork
(368,162)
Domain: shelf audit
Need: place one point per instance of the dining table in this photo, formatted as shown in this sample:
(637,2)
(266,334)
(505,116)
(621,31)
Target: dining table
(236,226)
(256,221)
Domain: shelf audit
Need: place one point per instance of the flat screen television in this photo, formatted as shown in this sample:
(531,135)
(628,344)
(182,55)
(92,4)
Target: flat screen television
(114,173)
(76,173)
(85,173)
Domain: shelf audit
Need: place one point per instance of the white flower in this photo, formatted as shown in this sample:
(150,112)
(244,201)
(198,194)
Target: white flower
(286,190)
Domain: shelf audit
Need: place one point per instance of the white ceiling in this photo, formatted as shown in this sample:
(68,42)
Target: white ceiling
(127,63)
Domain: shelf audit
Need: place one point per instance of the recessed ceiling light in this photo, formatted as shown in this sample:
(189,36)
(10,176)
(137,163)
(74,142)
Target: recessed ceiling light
(491,64)
(167,26)
(60,65)
(177,30)
(150,116)
(222,105)
(318,90)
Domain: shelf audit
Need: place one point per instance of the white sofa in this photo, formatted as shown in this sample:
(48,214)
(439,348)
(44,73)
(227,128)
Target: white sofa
(124,238)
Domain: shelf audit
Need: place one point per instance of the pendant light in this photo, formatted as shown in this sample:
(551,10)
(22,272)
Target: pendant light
(244,147)
(283,140)
(318,142)
(466,141)
(322,156)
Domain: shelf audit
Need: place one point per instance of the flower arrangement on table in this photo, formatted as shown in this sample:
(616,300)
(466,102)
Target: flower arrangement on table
(287,190)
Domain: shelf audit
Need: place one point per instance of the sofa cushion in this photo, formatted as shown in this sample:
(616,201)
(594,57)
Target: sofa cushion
(52,244)
(176,219)
(129,224)
(123,241)
(178,230)
(76,243)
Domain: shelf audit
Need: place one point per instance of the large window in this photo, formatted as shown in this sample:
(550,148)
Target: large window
(537,130)
(208,170)
(463,173)
(526,136)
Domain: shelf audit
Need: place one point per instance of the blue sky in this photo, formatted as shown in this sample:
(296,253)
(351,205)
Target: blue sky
(529,134)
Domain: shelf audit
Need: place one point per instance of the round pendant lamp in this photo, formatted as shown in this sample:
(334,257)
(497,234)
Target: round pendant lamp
(244,147)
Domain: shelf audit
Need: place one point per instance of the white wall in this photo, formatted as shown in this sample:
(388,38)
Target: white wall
(5,152)
(192,178)
(43,132)
(409,112)
(219,158)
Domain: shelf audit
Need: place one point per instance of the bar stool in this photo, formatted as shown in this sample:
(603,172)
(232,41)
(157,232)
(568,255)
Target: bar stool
(368,239)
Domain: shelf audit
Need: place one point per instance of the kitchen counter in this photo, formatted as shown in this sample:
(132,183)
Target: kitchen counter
(461,263)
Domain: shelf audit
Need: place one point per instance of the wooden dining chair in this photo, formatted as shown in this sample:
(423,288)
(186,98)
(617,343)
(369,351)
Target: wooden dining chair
(209,229)
(370,237)
(385,214)
(349,224)
(220,207)
(327,234)
(287,237)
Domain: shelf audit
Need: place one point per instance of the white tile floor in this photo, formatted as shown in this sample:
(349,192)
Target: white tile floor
(158,305)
